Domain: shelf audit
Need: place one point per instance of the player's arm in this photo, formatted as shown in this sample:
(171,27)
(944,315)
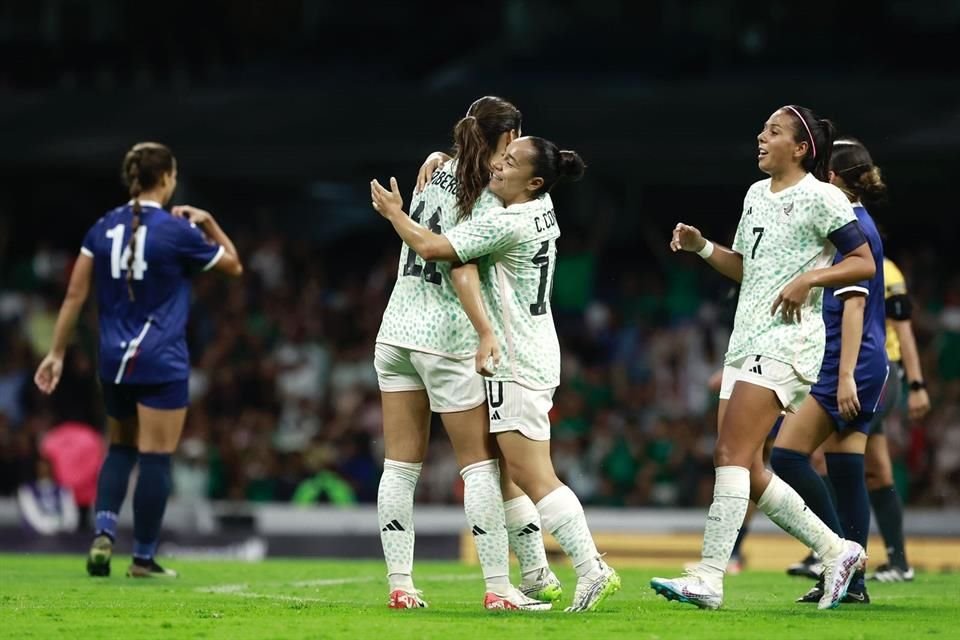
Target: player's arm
(229,261)
(851,335)
(48,373)
(466,282)
(726,261)
(899,311)
(857,265)
(431,164)
(428,245)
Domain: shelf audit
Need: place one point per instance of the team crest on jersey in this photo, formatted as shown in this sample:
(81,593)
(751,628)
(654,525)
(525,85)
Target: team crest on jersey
(787,209)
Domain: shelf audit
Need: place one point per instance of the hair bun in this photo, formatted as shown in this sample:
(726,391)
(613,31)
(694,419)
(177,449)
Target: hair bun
(571,165)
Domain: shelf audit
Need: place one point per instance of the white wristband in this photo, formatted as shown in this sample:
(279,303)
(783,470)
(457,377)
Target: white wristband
(707,250)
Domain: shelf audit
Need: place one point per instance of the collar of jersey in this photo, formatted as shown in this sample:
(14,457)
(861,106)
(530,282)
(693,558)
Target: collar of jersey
(782,192)
(149,203)
(536,203)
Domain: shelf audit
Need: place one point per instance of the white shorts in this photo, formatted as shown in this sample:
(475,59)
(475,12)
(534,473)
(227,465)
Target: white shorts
(451,385)
(514,407)
(771,374)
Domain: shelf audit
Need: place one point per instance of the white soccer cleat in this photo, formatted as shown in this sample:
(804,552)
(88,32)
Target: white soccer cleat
(691,588)
(838,572)
(403,599)
(513,600)
(591,591)
(546,587)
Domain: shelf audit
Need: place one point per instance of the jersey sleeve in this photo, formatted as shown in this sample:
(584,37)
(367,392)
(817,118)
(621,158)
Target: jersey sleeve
(90,239)
(194,249)
(898,305)
(739,240)
(835,219)
(894,283)
(492,232)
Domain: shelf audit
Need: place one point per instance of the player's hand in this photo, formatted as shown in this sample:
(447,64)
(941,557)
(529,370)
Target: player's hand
(488,355)
(195,215)
(918,403)
(847,401)
(387,203)
(792,299)
(431,164)
(686,238)
(48,373)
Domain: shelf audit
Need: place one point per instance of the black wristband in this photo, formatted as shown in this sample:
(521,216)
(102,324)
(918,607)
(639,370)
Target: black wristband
(917,385)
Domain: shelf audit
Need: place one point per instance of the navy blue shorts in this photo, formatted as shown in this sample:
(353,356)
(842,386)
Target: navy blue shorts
(121,400)
(891,400)
(869,392)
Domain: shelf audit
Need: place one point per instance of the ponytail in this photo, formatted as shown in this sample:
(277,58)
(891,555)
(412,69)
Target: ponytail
(133,172)
(143,169)
(862,180)
(553,164)
(472,172)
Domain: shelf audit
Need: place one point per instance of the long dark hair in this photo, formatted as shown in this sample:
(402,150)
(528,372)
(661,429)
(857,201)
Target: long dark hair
(554,164)
(818,133)
(861,178)
(475,136)
(143,168)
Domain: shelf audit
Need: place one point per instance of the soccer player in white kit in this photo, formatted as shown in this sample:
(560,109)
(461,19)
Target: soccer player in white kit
(792,225)
(516,248)
(424,359)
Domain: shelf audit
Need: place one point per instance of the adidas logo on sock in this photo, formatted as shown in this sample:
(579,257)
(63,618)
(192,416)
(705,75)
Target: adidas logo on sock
(496,416)
(477,531)
(393,525)
(529,529)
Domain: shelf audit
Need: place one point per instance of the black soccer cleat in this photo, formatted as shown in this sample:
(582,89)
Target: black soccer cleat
(810,567)
(98,560)
(149,569)
(855,595)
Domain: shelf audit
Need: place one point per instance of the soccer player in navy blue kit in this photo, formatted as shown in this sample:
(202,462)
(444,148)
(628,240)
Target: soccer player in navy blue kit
(141,258)
(846,397)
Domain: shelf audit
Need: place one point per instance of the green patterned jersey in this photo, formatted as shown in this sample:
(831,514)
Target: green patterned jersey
(780,236)
(518,251)
(424,313)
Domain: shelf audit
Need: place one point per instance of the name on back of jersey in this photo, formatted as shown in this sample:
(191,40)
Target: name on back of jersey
(545,221)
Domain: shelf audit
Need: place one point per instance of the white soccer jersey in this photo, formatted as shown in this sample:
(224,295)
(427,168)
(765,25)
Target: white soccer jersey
(424,313)
(518,247)
(780,236)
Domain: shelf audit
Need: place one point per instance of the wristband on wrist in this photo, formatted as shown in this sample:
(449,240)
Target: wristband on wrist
(707,250)
(917,385)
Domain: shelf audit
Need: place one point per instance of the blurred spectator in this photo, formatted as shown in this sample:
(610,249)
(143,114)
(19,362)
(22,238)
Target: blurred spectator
(46,506)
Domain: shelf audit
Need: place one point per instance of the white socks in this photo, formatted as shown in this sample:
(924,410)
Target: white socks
(785,507)
(562,515)
(731,495)
(483,506)
(526,537)
(395,515)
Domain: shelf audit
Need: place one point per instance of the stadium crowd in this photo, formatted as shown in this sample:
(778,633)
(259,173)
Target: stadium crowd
(284,400)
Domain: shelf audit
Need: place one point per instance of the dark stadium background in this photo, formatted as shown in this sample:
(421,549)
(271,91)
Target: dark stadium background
(279,114)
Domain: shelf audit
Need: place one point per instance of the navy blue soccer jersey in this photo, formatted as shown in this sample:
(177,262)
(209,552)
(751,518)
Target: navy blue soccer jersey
(872,367)
(143,341)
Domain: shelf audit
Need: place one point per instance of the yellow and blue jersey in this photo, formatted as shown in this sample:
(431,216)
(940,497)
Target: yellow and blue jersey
(143,340)
(897,303)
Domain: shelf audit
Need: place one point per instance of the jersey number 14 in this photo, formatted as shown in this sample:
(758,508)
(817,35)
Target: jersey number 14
(120,255)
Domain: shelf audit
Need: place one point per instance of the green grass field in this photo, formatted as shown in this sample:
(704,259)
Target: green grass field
(51,597)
